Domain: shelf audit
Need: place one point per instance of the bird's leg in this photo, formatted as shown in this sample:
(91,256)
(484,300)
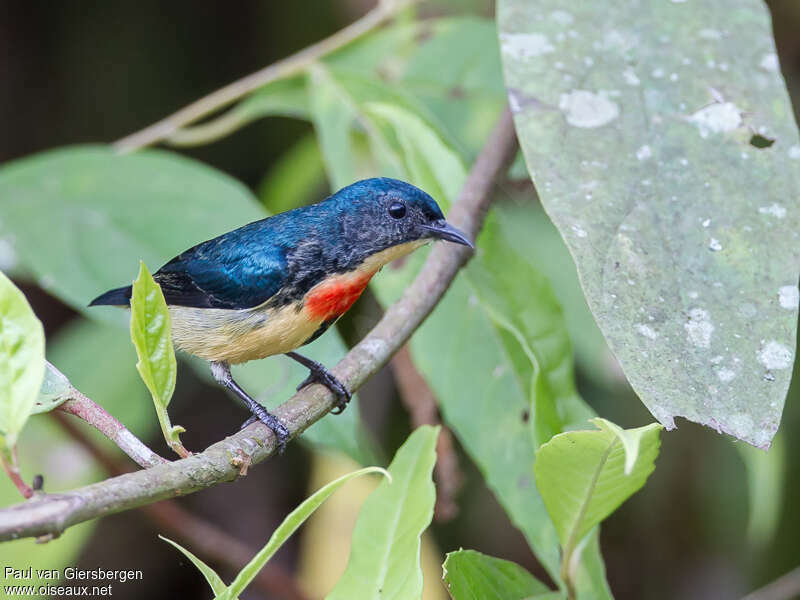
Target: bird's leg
(319,374)
(222,373)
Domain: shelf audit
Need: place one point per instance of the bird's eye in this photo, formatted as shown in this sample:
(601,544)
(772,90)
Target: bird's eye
(397,209)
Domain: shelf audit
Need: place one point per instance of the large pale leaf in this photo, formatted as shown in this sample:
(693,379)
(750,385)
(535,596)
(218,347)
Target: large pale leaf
(636,120)
(384,556)
(21,360)
(582,476)
(470,575)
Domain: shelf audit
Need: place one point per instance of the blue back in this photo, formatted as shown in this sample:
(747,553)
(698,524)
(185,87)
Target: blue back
(278,259)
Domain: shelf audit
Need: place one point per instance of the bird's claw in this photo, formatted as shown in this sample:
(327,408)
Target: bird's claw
(280,431)
(326,378)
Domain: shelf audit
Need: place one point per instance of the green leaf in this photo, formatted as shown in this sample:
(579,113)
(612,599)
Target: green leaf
(46,448)
(505,284)
(498,357)
(766,488)
(56,389)
(215,581)
(470,575)
(431,164)
(384,556)
(289,525)
(677,248)
(536,239)
(84,216)
(454,72)
(21,360)
(332,120)
(295,178)
(152,338)
(337,110)
(581,475)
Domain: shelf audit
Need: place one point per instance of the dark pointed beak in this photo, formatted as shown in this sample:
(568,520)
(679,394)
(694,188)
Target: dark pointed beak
(442,230)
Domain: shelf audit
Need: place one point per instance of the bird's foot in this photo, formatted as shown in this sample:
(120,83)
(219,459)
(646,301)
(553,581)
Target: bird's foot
(319,374)
(222,373)
(282,434)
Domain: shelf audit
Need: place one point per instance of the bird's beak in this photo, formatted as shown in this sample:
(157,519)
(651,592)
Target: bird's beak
(442,230)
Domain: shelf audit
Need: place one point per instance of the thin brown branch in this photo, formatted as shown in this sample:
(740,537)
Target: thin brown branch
(203,538)
(12,470)
(420,401)
(96,416)
(222,461)
(287,67)
(785,587)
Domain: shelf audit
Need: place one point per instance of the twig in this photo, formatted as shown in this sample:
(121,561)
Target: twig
(96,416)
(12,470)
(785,587)
(53,514)
(420,401)
(202,537)
(282,69)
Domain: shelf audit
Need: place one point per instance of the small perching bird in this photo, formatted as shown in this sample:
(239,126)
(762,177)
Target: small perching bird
(274,285)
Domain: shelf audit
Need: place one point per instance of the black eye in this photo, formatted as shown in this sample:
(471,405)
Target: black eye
(397,209)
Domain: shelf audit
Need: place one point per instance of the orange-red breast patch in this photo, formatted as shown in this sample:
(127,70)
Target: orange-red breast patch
(332,298)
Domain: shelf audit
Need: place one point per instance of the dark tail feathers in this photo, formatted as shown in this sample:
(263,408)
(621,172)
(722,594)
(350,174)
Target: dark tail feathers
(118,297)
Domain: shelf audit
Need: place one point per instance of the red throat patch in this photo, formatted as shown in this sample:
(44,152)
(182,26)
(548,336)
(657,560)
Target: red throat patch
(334,297)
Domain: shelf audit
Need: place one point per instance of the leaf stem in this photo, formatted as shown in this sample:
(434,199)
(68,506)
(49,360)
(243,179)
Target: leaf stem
(10,466)
(282,69)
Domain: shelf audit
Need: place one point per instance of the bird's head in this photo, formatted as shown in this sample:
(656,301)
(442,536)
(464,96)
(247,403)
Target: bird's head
(381,213)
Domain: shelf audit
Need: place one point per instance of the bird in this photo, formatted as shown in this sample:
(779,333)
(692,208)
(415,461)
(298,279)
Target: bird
(274,285)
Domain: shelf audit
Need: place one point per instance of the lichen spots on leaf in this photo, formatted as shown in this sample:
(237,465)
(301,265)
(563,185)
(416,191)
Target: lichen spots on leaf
(334,296)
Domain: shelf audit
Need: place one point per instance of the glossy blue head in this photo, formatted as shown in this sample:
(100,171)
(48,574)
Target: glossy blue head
(379,213)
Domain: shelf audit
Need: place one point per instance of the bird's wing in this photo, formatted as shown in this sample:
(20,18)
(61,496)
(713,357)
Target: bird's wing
(223,275)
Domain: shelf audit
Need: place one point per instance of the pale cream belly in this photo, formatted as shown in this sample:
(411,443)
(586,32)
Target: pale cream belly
(236,336)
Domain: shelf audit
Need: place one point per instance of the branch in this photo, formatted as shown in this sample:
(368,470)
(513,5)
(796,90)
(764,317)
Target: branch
(205,539)
(287,67)
(222,461)
(420,401)
(11,467)
(96,416)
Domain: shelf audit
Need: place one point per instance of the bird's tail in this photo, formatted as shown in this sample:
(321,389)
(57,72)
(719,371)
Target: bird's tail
(118,297)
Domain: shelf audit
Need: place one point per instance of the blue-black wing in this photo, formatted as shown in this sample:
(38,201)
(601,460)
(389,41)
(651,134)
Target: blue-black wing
(224,273)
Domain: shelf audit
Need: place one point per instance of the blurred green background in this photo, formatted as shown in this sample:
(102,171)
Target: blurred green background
(715,520)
